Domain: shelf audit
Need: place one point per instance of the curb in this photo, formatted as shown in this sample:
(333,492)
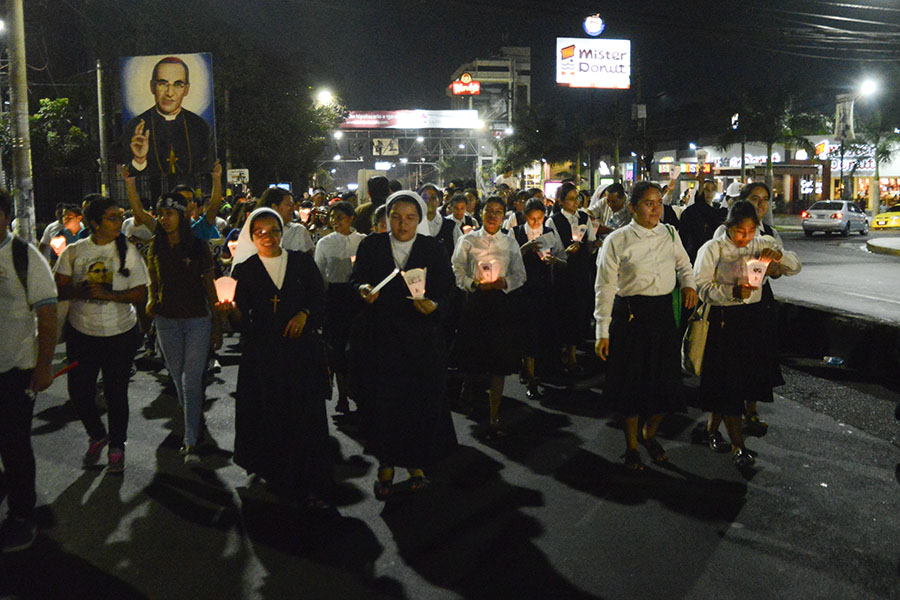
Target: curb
(882,248)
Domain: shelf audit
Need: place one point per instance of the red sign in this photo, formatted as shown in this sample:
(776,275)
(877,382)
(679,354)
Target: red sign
(465,86)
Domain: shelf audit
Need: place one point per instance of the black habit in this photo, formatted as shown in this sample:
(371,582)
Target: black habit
(398,356)
(281,428)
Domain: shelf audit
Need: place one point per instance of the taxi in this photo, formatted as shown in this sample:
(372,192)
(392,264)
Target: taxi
(889,219)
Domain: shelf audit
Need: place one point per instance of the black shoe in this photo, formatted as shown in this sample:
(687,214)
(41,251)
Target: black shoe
(742,459)
(717,443)
(17,534)
(533,393)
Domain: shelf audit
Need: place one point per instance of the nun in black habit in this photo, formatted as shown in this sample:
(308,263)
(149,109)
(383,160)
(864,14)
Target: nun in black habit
(281,428)
(398,351)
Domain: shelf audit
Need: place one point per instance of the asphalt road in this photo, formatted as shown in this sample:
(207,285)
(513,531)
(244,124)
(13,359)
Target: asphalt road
(546,513)
(841,274)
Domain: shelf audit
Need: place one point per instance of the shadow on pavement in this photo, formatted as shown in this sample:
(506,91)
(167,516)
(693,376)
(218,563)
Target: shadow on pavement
(466,531)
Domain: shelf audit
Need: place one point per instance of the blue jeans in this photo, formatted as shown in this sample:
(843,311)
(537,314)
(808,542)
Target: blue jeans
(185,345)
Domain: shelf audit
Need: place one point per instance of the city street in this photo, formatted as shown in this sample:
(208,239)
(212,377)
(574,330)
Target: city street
(545,513)
(841,274)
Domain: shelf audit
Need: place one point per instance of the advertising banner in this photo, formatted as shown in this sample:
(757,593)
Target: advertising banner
(412,119)
(593,63)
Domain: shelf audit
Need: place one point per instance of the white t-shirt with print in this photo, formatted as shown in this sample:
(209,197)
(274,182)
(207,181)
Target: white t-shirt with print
(86,262)
(19,350)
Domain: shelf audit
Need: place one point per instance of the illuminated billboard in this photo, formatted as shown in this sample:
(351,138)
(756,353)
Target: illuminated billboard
(593,63)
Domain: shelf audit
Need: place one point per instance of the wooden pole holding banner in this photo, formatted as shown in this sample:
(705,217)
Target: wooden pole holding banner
(101,119)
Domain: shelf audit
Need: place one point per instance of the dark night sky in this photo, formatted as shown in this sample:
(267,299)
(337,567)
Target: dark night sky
(393,54)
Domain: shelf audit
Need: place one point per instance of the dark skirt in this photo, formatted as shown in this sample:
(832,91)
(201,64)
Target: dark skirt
(398,369)
(573,295)
(736,367)
(770,333)
(341,306)
(487,336)
(643,370)
(281,428)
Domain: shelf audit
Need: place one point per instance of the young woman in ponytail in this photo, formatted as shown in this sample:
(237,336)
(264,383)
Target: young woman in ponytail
(103,276)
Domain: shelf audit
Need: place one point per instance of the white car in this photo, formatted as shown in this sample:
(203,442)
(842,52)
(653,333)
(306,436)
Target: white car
(834,216)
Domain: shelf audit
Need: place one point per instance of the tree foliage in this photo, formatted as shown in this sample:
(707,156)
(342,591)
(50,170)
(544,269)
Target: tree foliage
(58,145)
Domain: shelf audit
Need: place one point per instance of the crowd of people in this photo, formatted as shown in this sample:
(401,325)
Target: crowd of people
(410,304)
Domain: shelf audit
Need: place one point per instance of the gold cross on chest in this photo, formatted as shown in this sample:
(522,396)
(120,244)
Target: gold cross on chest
(172,159)
(275,300)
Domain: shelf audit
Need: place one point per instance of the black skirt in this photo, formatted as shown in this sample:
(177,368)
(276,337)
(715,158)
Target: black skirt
(737,364)
(643,370)
(341,306)
(487,336)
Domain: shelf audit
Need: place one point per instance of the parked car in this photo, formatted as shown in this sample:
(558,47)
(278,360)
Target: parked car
(834,216)
(890,218)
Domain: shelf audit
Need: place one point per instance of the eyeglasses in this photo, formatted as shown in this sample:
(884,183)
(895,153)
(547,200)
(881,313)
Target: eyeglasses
(756,198)
(163,84)
(272,233)
(114,218)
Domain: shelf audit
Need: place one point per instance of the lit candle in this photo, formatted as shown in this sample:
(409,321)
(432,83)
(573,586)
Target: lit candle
(58,244)
(225,288)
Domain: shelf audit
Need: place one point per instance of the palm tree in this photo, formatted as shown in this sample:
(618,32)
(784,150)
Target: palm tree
(770,116)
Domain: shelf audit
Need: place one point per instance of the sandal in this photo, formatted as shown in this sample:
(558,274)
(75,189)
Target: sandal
(633,463)
(496,431)
(382,490)
(654,449)
(417,483)
(312,502)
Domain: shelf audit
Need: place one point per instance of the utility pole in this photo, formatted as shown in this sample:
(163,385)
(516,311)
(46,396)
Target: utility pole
(21,151)
(104,159)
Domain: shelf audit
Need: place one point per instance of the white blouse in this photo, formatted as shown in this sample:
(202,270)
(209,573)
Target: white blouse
(636,261)
(335,254)
(572,218)
(296,237)
(477,246)
(721,265)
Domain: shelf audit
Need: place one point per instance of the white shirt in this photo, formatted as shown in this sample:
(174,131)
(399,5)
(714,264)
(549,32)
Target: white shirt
(84,261)
(401,250)
(435,224)
(19,350)
(636,261)
(276,266)
(296,237)
(477,246)
(572,218)
(721,265)
(51,231)
(335,254)
(556,248)
(141,232)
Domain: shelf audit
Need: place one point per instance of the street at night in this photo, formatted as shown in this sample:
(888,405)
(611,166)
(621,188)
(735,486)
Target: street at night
(449,299)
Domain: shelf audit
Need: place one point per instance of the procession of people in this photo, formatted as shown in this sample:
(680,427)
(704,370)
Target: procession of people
(425,308)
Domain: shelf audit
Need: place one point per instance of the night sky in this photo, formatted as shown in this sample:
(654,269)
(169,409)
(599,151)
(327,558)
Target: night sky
(397,54)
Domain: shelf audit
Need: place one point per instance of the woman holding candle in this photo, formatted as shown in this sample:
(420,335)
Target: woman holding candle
(736,363)
(572,288)
(335,255)
(488,265)
(399,357)
(639,266)
(280,426)
(181,295)
(541,248)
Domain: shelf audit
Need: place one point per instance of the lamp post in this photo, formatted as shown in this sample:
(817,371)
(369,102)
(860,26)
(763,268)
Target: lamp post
(843,121)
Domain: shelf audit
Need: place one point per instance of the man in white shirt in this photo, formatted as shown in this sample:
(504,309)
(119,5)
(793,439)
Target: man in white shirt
(25,365)
(294,236)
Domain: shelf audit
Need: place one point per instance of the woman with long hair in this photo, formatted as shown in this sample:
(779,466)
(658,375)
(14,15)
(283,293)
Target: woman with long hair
(182,296)
(104,276)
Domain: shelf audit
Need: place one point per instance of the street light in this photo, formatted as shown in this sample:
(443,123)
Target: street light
(337,157)
(420,139)
(692,146)
(868,87)
(338,135)
(325,97)
(508,131)
(2,25)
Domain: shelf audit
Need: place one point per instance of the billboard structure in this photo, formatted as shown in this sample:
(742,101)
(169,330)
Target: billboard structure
(593,63)
(168,115)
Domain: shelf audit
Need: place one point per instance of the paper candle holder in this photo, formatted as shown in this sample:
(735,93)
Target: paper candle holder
(488,271)
(415,281)
(756,270)
(225,287)
(578,232)
(58,244)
